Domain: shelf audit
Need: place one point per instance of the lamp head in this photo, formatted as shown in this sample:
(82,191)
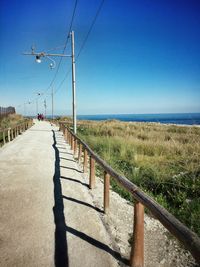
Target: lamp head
(38,59)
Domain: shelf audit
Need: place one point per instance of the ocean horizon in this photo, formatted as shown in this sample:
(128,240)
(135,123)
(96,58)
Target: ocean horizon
(165,118)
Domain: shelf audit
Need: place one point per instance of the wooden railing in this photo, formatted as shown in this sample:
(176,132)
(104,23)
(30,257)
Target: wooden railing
(188,238)
(8,134)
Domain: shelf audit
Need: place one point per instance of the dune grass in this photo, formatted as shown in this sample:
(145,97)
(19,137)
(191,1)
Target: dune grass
(164,160)
(9,121)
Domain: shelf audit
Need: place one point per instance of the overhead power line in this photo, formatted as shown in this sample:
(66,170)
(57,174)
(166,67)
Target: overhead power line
(65,45)
(83,43)
(91,27)
(66,42)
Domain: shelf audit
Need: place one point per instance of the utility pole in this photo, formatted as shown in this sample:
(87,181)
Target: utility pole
(45,108)
(52,115)
(73,83)
(41,55)
(36,107)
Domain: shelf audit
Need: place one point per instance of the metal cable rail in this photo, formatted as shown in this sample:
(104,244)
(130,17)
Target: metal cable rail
(188,238)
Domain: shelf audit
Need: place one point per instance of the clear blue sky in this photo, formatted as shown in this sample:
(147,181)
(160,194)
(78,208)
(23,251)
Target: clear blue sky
(141,56)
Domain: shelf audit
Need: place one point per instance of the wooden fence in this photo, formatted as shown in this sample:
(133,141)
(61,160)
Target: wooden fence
(6,111)
(188,238)
(8,134)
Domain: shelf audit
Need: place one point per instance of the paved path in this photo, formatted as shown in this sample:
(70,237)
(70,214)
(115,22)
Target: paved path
(47,217)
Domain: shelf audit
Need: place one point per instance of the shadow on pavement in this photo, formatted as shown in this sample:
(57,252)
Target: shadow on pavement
(74,180)
(73,169)
(68,159)
(97,244)
(82,203)
(61,249)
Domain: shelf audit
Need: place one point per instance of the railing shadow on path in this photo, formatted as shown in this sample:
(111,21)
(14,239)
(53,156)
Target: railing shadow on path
(83,203)
(61,249)
(74,180)
(61,147)
(72,160)
(97,244)
(71,230)
(72,169)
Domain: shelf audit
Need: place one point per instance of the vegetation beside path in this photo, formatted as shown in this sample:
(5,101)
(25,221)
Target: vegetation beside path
(10,121)
(163,160)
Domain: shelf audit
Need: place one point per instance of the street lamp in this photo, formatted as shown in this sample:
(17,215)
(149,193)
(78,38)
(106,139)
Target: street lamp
(38,94)
(38,58)
(25,110)
(45,108)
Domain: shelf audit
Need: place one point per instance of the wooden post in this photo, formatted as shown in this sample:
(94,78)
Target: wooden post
(106,192)
(12,136)
(92,173)
(4,138)
(85,161)
(75,146)
(8,134)
(137,250)
(69,141)
(67,136)
(64,134)
(80,153)
(72,142)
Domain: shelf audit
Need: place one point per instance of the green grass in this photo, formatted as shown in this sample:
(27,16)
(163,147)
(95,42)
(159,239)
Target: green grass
(164,160)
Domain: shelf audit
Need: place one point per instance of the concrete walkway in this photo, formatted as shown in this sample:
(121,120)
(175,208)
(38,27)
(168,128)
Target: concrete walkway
(47,217)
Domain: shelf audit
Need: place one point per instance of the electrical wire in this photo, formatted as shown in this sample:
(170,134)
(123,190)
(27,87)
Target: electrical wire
(91,27)
(55,48)
(66,42)
(65,45)
(84,41)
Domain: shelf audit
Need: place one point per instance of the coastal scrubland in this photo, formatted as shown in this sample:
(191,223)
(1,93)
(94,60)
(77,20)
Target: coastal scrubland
(9,121)
(163,160)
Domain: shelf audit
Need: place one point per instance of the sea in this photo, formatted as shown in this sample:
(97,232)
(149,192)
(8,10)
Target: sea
(168,118)
(165,118)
